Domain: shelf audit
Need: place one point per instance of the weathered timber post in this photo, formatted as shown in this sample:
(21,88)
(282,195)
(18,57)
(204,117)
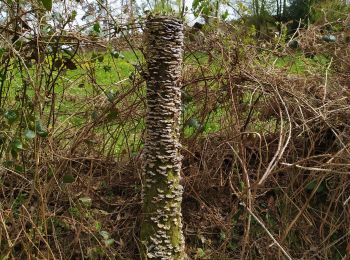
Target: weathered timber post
(161,228)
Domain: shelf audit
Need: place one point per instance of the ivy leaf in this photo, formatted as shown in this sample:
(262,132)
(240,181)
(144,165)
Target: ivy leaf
(105,234)
(111,95)
(94,115)
(109,242)
(131,76)
(68,178)
(19,168)
(16,146)
(312,185)
(29,134)
(11,116)
(115,54)
(193,122)
(113,114)
(40,130)
(47,4)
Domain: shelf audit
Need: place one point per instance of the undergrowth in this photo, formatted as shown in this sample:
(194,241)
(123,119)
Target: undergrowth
(265,138)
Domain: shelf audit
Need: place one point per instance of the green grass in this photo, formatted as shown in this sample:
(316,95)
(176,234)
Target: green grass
(299,64)
(102,73)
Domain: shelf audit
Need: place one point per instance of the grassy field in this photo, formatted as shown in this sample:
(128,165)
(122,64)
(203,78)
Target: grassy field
(112,75)
(92,89)
(103,78)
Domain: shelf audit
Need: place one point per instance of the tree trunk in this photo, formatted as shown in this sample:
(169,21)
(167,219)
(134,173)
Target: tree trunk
(161,228)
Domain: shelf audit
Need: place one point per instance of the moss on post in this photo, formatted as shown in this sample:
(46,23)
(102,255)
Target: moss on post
(161,228)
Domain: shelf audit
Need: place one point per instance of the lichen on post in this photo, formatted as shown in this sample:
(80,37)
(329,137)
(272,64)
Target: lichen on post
(161,227)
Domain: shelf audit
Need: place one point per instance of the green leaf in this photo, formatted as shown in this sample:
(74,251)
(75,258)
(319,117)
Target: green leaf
(94,56)
(109,242)
(193,122)
(329,38)
(8,163)
(206,10)
(86,201)
(241,185)
(73,15)
(94,115)
(99,212)
(312,185)
(222,236)
(112,114)
(40,130)
(29,134)
(110,95)
(74,211)
(105,234)
(186,97)
(68,178)
(224,15)
(115,54)
(100,58)
(47,4)
(195,4)
(97,28)
(98,225)
(19,168)
(2,50)
(132,76)
(16,145)
(97,57)
(107,68)
(69,64)
(200,252)
(11,116)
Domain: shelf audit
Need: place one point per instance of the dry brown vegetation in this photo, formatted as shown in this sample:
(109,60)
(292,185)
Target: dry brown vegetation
(276,168)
